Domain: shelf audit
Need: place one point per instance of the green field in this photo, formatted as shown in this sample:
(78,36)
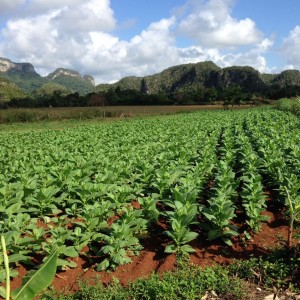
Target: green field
(10,116)
(105,186)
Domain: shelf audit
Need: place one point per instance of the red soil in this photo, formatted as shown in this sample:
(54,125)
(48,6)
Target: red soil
(153,259)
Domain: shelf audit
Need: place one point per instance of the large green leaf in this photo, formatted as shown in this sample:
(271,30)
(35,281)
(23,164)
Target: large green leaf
(187,249)
(103,265)
(170,248)
(189,236)
(40,280)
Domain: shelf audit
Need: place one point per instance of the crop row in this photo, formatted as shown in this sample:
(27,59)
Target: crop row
(98,190)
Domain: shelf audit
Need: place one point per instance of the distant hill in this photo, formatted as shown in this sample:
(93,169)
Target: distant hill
(194,77)
(287,78)
(22,74)
(9,90)
(73,80)
(202,80)
(177,78)
(27,79)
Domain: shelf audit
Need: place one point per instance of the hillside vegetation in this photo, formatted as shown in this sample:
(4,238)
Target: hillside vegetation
(51,88)
(206,75)
(72,80)
(194,83)
(9,90)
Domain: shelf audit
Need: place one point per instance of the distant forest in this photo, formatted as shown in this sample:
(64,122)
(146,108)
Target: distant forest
(230,95)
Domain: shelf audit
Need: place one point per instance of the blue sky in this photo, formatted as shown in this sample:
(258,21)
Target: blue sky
(111,39)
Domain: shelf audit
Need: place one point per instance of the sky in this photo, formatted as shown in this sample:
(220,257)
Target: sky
(111,39)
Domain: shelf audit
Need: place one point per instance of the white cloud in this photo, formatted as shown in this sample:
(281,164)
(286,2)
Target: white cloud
(79,35)
(154,46)
(88,16)
(148,53)
(290,48)
(151,51)
(251,58)
(210,24)
(258,62)
(22,37)
(264,46)
(56,35)
(194,54)
(254,57)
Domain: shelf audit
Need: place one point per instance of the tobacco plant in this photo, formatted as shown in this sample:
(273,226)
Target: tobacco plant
(120,240)
(220,209)
(74,187)
(183,214)
(253,197)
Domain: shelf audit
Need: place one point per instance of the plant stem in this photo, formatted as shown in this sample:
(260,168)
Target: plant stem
(292,218)
(6,264)
(290,233)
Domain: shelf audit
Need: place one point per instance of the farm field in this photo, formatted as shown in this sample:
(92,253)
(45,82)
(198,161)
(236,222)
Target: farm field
(13,115)
(128,197)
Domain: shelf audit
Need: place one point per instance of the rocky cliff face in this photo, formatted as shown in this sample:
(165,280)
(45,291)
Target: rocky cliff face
(7,65)
(73,80)
(21,74)
(25,77)
(63,72)
(246,77)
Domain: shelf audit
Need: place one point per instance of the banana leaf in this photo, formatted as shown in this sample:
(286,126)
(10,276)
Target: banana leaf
(38,281)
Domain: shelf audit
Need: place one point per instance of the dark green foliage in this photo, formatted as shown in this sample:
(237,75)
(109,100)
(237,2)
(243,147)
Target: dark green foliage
(180,78)
(25,81)
(189,283)
(50,88)
(246,78)
(287,78)
(134,97)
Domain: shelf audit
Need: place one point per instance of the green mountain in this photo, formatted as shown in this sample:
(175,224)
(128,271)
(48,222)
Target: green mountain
(194,79)
(178,78)
(22,74)
(73,80)
(197,76)
(27,79)
(246,77)
(287,78)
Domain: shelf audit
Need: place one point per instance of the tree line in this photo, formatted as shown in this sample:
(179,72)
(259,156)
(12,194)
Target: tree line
(229,95)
